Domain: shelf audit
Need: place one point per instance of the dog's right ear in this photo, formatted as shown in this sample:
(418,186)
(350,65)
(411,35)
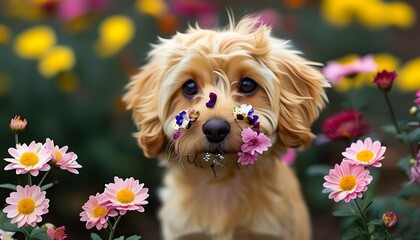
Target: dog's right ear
(142,99)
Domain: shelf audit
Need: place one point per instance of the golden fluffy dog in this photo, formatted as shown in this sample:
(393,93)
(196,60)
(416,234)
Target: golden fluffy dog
(242,64)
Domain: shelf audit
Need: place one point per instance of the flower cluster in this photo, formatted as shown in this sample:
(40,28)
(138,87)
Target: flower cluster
(350,179)
(184,120)
(254,142)
(117,198)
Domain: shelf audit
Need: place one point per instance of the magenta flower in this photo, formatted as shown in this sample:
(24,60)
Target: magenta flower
(204,10)
(61,158)
(57,233)
(417,100)
(246,158)
(389,219)
(289,156)
(346,182)
(385,79)
(26,205)
(32,158)
(126,195)
(96,212)
(414,174)
(365,153)
(17,124)
(345,124)
(335,71)
(254,142)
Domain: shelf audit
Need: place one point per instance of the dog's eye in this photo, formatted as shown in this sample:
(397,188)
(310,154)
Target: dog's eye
(189,89)
(248,86)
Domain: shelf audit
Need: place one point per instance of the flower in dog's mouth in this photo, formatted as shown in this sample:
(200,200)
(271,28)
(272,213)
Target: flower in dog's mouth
(254,142)
(184,120)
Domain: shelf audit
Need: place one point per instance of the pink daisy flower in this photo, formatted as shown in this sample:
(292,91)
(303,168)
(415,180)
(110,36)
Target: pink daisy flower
(254,142)
(126,195)
(365,153)
(246,158)
(96,212)
(57,233)
(61,158)
(17,124)
(32,159)
(26,205)
(335,71)
(389,219)
(346,182)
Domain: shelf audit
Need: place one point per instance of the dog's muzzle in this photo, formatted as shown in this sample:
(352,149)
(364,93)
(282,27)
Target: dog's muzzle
(216,130)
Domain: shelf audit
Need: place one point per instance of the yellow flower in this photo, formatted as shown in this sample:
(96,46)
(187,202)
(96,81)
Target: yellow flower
(5,34)
(151,7)
(338,13)
(68,82)
(58,59)
(401,14)
(409,76)
(115,32)
(348,83)
(34,42)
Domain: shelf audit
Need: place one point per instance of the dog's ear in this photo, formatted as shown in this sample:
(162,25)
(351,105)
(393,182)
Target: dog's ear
(142,99)
(302,96)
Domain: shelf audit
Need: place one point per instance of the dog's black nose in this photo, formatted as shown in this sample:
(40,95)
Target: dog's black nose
(216,130)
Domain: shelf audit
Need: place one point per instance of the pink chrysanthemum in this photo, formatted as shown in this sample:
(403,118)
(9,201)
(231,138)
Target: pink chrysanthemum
(414,173)
(26,205)
(61,158)
(254,142)
(57,233)
(365,153)
(246,158)
(417,100)
(126,195)
(346,182)
(32,158)
(345,124)
(389,219)
(17,124)
(96,212)
(335,71)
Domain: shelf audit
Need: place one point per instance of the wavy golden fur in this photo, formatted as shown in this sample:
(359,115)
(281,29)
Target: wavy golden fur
(260,201)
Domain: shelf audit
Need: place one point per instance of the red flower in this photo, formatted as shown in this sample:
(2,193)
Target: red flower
(385,79)
(345,124)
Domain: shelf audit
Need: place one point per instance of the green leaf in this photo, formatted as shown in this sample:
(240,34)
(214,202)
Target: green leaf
(318,170)
(404,163)
(6,225)
(353,233)
(134,237)
(47,186)
(414,136)
(349,212)
(409,190)
(8,186)
(376,222)
(120,238)
(40,234)
(94,236)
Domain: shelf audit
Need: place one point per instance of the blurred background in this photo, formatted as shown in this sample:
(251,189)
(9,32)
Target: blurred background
(64,65)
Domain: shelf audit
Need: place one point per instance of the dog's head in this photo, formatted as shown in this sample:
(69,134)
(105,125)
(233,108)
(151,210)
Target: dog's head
(242,64)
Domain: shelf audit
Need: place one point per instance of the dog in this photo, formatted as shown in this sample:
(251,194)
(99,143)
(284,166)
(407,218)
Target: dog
(207,194)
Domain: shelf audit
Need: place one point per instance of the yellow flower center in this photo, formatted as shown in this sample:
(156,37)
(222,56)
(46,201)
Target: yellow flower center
(26,206)
(347,183)
(99,211)
(364,156)
(29,159)
(125,196)
(58,156)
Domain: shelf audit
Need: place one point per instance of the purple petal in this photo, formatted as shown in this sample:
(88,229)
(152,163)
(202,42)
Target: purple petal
(212,102)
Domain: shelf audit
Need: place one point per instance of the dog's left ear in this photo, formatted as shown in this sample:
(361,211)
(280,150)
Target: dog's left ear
(142,99)
(302,96)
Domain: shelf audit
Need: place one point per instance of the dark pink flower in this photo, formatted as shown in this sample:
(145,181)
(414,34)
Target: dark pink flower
(345,125)
(57,233)
(414,173)
(389,219)
(384,79)
(254,142)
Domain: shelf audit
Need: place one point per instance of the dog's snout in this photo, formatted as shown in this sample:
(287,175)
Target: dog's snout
(216,130)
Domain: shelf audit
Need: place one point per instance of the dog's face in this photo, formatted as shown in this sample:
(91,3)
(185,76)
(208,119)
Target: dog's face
(241,65)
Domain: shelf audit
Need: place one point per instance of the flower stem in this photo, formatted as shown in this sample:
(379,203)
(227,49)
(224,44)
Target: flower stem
(362,218)
(29,179)
(43,178)
(16,138)
(114,227)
